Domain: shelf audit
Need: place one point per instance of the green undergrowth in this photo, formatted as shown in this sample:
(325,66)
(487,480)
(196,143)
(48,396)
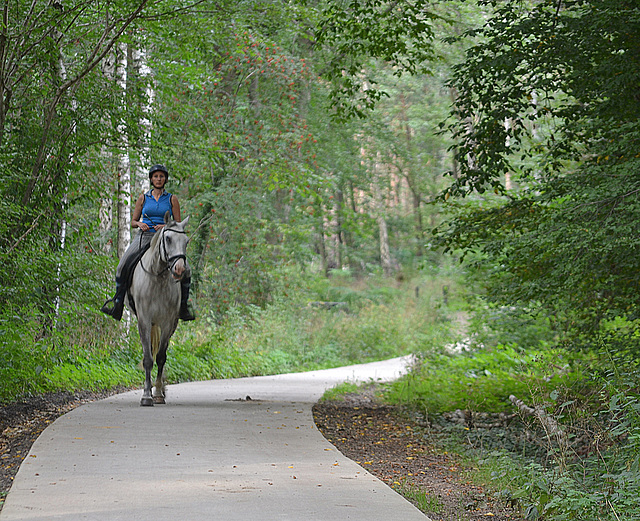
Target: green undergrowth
(426,502)
(573,451)
(328,324)
(483,380)
(324,323)
(338,392)
(593,474)
(577,457)
(48,365)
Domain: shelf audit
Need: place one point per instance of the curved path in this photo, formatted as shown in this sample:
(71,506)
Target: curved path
(208,454)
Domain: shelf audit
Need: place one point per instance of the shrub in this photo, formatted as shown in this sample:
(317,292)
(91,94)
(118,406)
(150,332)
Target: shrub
(482,380)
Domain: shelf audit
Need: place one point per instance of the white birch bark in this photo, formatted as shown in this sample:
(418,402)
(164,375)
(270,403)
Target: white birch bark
(124,170)
(143,71)
(105,212)
(508,185)
(62,72)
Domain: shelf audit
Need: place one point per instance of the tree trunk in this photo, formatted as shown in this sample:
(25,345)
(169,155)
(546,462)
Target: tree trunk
(385,253)
(417,215)
(455,167)
(322,246)
(332,243)
(62,72)
(105,213)
(341,233)
(124,170)
(140,70)
(386,260)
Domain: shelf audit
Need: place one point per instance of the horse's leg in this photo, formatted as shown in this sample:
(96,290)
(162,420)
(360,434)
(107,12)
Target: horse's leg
(147,362)
(159,393)
(159,389)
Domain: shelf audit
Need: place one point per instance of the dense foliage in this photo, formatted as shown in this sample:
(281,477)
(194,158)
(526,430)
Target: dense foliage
(378,319)
(548,103)
(233,97)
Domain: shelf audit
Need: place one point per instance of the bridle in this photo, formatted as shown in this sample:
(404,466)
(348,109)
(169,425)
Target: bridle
(170,262)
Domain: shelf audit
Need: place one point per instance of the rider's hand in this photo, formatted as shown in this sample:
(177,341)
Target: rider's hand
(143,226)
(158,227)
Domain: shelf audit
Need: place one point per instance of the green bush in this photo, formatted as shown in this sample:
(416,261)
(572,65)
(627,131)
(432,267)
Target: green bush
(592,394)
(590,488)
(22,360)
(483,380)
(89,374)
(29,367)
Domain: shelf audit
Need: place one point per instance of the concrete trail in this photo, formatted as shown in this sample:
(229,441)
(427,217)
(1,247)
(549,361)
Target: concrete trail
(208,454)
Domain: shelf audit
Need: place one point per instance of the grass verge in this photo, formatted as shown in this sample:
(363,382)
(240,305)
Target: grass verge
(375,319)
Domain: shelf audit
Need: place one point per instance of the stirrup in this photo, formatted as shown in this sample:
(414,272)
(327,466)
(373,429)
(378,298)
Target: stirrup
(114,310)
(106,308)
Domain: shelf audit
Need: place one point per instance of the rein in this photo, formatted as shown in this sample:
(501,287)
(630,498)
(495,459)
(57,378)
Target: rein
(169,261)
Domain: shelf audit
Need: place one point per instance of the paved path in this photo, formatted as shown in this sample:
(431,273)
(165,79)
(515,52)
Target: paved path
(206,455)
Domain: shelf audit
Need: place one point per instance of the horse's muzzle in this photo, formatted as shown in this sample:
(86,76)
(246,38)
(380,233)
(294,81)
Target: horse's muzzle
(178,269)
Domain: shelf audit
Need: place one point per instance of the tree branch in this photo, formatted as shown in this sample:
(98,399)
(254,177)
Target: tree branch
(549,423)
(96,57)
(33,225)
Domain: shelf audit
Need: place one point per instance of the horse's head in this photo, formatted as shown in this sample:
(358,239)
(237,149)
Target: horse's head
(173,246)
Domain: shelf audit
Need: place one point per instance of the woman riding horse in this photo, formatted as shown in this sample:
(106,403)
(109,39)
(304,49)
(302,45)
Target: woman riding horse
(148,217)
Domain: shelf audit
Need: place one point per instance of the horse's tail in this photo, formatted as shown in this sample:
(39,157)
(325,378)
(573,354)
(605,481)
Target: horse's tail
(155,340)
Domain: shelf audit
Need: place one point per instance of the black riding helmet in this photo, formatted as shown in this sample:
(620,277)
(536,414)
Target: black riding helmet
(159,168)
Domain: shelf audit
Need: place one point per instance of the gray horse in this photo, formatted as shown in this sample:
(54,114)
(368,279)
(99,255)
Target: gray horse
(155,290)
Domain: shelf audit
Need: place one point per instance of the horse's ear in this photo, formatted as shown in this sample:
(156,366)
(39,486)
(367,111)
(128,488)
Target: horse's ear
(167,217)
(184,222)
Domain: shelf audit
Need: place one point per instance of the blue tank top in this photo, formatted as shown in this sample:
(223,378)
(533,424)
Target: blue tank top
(153,211)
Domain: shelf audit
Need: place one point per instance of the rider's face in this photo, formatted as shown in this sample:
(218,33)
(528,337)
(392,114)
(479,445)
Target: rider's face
(158,179)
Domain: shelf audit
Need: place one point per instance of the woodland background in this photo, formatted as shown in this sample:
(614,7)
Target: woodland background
(411,162)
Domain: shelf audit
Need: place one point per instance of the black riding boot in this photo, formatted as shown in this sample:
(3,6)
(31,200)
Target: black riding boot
(114,306)
(186,310)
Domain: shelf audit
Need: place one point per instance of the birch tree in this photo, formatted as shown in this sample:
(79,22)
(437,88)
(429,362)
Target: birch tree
(47,118)
(140,66)
(123,162)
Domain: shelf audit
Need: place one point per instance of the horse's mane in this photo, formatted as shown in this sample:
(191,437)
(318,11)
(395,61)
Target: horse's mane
(154,242)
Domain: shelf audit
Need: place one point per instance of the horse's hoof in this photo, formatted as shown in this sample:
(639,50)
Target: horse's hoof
(159,400)
(146,402)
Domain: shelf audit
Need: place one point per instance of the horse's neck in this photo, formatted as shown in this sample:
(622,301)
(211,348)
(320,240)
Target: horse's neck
(152,259)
